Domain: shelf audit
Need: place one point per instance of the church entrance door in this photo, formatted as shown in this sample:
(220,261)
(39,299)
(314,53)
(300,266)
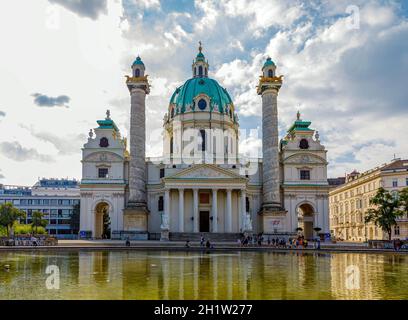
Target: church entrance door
(204,221)
(102,221)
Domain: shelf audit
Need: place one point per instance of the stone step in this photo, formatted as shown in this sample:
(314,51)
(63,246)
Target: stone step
(194,236)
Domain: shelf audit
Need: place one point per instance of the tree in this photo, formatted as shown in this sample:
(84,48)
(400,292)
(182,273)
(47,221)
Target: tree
(385,211)
(38,221)
(9,215)
(403,197)
(74,223)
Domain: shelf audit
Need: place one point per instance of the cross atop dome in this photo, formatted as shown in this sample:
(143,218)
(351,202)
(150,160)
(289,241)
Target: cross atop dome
(200,66)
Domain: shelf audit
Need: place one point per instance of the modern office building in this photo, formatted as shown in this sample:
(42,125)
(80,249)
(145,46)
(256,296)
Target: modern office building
(55,198)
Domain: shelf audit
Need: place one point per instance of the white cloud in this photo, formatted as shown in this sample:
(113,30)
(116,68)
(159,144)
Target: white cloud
(350,83)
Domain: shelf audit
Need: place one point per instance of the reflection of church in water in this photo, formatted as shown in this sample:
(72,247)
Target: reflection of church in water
(201,185)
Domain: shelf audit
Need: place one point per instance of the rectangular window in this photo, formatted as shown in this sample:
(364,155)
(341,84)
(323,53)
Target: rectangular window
(162,173)
(64,231)
(304,174)
(46,202)
(54,202)
(160,204)
(103,172)
(395,183)
(406,182)
(204,198)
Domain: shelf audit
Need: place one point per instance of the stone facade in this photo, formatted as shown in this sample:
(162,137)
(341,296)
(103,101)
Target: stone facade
(349,202)
(208,190)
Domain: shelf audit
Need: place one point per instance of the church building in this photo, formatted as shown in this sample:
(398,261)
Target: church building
(202,185)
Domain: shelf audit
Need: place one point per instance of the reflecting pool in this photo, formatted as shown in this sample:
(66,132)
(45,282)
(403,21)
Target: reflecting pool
(165,274)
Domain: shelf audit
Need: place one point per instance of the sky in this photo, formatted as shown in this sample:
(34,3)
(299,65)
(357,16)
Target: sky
(63,64)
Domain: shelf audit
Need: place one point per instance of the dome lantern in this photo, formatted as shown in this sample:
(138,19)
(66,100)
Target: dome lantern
(200,66)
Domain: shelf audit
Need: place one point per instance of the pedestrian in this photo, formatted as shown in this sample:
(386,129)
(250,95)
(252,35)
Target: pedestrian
(269,241)
(202,241)
(127,243)
(318,243)
(208,244)
(187,245)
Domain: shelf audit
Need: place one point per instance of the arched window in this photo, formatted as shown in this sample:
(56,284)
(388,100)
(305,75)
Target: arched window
(195,72)
(137,73)
(203,139)
(270,73)
(172,112)
(200,71)
(171,145)
(247,204)
(304,144)
(206,72)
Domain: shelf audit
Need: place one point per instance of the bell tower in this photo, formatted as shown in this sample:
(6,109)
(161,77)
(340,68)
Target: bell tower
(136,211)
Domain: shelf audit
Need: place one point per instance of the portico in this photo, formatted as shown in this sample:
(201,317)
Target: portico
(204,198)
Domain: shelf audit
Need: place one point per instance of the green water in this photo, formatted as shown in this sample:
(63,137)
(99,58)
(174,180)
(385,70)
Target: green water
(195,275)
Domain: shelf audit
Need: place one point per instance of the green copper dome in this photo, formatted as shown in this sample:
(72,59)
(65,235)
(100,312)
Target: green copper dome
(200,57)
(138,61)
(184,97)
(268,62)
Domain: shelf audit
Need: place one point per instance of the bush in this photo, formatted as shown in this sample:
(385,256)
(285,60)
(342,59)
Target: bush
(27,229)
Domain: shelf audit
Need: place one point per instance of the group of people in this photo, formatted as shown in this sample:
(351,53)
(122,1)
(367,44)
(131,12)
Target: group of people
(247,240)
(292,243)
(206,243)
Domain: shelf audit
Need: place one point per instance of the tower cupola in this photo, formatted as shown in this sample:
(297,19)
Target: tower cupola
(269,68)
(200,65)
(138,68)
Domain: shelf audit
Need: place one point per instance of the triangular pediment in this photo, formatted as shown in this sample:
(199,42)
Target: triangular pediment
(205,171)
